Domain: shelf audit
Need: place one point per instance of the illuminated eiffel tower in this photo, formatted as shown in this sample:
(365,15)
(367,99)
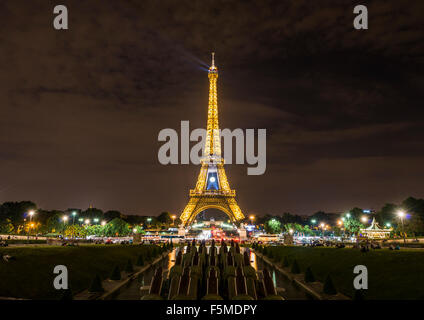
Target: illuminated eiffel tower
(212,187)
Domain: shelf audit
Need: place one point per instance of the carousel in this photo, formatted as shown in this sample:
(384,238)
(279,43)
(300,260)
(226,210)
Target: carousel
(375,232)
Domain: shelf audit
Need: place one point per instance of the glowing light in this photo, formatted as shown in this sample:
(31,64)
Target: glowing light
(348,215)
(87,221)
(74,213)
(135,230)
(65,218)
(291,231)
(103,223)
(313,221)
(322,225)
(364,219)
(401,214)
(339,222)
(388,225)
(212,179)
(31,212)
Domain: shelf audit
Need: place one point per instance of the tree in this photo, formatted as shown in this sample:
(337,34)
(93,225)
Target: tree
(412,225)
(16,212)
(112,214)
(117,227)
(92,213)
(273,226)
(6,226)
(75,231)
(352,225)
(55,223)
(387,213)
(165,218)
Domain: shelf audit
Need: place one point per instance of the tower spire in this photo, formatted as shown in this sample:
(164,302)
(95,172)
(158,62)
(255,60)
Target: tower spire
(213,141)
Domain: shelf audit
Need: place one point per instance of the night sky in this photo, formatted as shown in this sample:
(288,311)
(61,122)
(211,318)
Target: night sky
(80,110)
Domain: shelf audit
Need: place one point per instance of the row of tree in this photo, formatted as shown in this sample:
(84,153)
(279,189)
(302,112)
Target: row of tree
(413,223)
(15,218)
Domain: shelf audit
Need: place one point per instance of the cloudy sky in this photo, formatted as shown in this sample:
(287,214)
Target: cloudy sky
(80,110)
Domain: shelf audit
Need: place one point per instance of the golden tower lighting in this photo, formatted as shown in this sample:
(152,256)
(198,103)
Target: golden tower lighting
(212,188)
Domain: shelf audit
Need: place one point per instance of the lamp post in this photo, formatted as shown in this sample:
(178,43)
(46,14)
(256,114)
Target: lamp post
(65,219)
(251,218)
(149,220)
(173,217)
(31,213)
(322,225)
(401,214)
(73,217)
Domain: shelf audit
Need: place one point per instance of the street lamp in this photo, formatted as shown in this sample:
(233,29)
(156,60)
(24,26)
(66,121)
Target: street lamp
(149,220)
(173,217)
(65,219)
(401,214)
(348,215)
(31,213)
(251,218)
(364,219)
(322,225)
(87,221)
(96,220)
(103,223)
(73,217)
(388,225)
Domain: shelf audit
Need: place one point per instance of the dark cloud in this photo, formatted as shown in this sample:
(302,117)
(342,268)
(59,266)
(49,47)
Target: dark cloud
(81,109)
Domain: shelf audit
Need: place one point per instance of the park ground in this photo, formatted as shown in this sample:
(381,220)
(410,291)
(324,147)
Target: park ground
(31,275)
(392,274)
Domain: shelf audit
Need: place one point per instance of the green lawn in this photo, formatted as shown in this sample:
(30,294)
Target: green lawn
(31,275)
(391,274)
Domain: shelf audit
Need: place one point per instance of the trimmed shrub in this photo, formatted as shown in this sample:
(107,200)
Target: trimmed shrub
(285,262)
(96,285)
(116,273)
(295,267)
(140,260)
(67,294)
(129,267)
(309,276)
(329,287)
(359,295)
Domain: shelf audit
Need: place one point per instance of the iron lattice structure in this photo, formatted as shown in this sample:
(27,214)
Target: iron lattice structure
(212,188)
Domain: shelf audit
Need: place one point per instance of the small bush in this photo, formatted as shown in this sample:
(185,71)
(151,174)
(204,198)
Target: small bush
(116,273)
(329,287)
(129,267)
(140,260)
(96,285)
(309,276)
(295,267)
(285,262)
(359,295)
(67,294)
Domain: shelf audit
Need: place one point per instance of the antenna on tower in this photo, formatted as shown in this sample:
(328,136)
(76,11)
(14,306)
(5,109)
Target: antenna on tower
(213,59)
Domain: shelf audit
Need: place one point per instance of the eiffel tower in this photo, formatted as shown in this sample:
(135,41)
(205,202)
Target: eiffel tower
(212,188)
